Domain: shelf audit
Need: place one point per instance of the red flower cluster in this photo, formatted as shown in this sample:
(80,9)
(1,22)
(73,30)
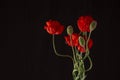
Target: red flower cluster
(75,42)
(54,27)
(84,23)
(80,43)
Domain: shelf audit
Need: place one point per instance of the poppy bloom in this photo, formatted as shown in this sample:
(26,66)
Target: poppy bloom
(54,27)
(75,42)
(84,23)
(74,39)
(82,49)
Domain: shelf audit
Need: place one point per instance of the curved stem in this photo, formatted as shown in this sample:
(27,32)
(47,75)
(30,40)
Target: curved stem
(88,53)
(83,67)
(83,71)
(87,49)
(88,38)
(72,49)
(53,39)
(90,64)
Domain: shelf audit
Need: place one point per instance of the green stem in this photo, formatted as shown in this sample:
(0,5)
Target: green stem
(72,49)
(53,39)
(90,64)
(83,67)
(88,37)
(87,53)
(87,49)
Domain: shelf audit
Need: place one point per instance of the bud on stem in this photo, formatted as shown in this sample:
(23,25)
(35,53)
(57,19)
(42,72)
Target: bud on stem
(69,30)
(93,25)
(81,41)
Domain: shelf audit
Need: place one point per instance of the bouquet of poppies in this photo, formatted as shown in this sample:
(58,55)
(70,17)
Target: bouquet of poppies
(80,43)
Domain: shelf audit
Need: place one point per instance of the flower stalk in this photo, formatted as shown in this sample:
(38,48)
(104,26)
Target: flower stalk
(80,43)
(53,40)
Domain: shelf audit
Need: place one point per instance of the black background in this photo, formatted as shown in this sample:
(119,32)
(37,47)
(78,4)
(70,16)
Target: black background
(27,47)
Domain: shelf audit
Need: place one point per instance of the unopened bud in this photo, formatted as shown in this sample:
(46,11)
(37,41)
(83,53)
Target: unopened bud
(69,30)
(93,25)
(82,41)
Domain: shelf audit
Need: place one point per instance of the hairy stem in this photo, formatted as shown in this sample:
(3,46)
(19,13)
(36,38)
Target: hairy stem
(90,64)
(53,39)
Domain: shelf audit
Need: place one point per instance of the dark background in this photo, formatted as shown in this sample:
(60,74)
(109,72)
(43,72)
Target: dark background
(27,47)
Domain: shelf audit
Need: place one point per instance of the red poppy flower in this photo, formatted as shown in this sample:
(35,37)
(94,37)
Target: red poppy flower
(90,44)
(54,27)
(84,22)
(74,39)
(76,43)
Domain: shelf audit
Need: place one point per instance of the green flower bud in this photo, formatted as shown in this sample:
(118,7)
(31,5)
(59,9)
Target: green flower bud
(93,25)
(82,41)
(69,30)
